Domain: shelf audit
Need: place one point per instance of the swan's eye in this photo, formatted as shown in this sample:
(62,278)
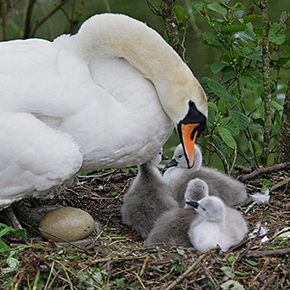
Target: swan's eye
(203,208)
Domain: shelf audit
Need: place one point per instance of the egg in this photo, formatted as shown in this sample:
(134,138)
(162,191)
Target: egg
(66,223)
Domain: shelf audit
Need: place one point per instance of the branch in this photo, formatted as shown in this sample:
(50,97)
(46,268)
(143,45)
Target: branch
(267,169)
(266,81)
(171,23)
(277,252)
(41,21)
(28,17)
(3,10)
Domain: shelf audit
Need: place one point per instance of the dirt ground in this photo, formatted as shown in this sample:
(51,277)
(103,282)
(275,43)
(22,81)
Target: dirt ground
(117,258)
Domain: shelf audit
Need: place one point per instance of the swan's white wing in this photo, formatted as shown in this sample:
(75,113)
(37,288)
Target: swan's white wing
(33,157)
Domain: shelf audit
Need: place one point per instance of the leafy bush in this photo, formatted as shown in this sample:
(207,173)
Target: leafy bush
(237,98)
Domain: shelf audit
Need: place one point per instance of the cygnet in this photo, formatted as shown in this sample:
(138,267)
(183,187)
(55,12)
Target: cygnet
(231,191)
(172,226)
(217,224)
(147,198)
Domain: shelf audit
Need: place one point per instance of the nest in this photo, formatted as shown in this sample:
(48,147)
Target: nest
(117,258)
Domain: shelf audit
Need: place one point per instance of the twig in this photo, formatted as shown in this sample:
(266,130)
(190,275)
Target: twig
(144,266)
(207,273)
(71,243)
(3,14)
(41,21)
(243,168)
(10,218)
(28,18)
(235,158)
(181,277)
(281,183)
(267,169)
(277,252)
(222,158)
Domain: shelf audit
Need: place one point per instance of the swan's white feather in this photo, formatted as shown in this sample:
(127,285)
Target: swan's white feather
(77,104)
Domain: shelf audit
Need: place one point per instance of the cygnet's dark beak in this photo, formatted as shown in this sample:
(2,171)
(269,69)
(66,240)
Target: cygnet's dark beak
(172,163)
(191,202)
(164,157)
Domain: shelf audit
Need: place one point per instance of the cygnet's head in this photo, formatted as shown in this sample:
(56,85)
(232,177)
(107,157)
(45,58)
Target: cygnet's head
(179,159)
(196,189)
(157,158)
(210,208)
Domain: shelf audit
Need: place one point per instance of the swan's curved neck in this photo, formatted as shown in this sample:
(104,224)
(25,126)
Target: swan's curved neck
(118,36)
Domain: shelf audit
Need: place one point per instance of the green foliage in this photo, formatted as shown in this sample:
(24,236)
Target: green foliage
(236,95)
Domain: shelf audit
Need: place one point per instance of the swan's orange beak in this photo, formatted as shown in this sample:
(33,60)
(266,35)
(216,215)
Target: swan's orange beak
(188,137)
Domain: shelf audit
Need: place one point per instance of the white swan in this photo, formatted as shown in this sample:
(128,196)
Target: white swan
(105,97)
(230,190)
(172,226)
(147,198)
(218,224)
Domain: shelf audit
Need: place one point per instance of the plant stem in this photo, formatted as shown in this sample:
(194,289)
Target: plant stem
(267,86)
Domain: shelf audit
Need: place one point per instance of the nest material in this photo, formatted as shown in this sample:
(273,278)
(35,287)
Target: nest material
(116,257)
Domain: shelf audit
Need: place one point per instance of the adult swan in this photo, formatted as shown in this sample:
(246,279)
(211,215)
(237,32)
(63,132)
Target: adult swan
(105,97)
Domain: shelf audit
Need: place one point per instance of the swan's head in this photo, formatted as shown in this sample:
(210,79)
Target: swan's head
(179,158)
(157,158)
(189,128)
(196,189)
(211,208)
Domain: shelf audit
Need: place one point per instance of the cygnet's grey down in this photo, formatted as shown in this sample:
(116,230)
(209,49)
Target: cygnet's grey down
(217,224)
(147,198)
(172,226)
(177,176)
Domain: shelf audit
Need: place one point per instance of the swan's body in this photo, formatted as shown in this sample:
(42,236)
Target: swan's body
(172,226)
(147,198)
(230,190)
(107,97)
(218,224)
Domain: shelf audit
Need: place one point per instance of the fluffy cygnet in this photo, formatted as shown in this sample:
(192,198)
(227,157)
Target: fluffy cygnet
(147,198)
(217,224)
(172,226)
(231,191)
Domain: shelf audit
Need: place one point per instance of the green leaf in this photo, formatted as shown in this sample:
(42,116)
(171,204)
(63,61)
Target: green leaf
(228,271)
(286,46)
(232,285)
(227,137)
(276,106)
(217,7)
(4,247)
(284,17)
(251,262)
(6,230)
(197,6)
(252,79)
(229,72)
(180,14)
(231,125)
(233,29)
(218,89)
(277,34)
(239,6)
(213,106)
(250,18)
(210,39)
(218,66)
(240,118)
(253,54)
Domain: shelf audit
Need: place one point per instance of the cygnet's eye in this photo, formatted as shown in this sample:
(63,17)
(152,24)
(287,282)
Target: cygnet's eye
(179,156)
(203,208)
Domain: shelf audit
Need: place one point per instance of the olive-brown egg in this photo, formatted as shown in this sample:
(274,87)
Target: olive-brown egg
(66,223)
